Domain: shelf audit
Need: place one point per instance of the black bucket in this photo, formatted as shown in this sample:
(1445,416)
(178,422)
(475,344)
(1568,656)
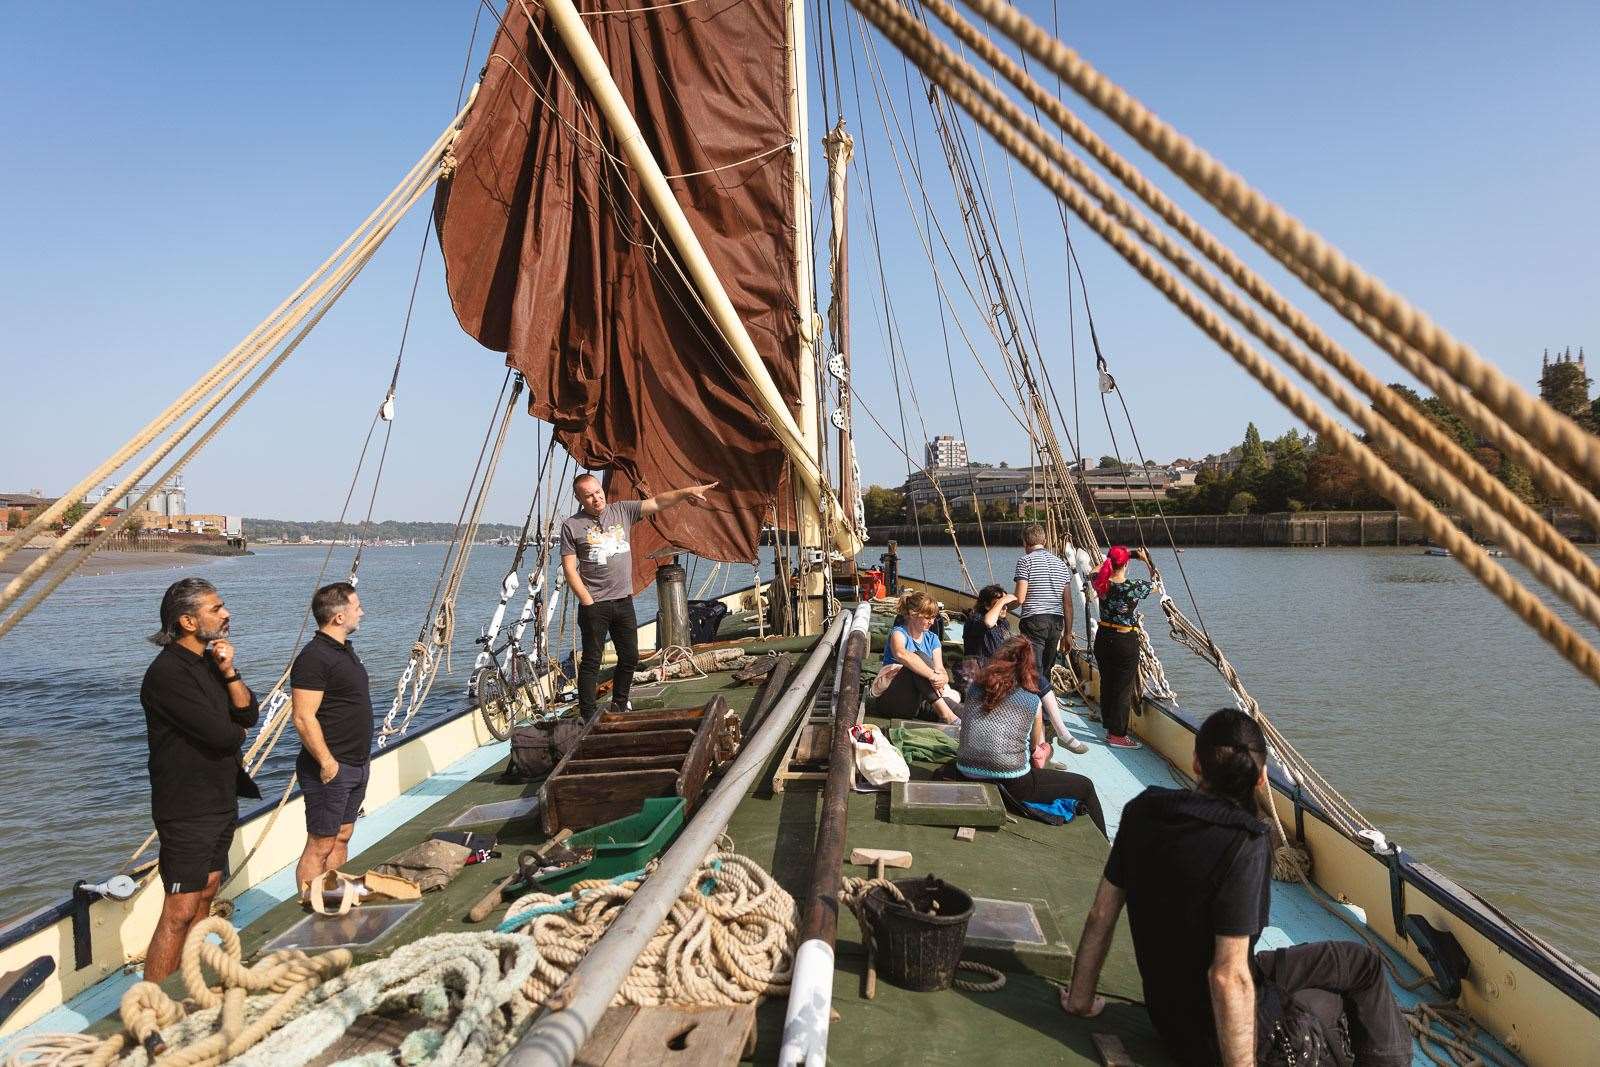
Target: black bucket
(917,948)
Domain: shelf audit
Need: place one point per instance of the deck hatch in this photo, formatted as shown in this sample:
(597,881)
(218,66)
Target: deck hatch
(1005,920)
(501,811)
(361,927)
(946,795)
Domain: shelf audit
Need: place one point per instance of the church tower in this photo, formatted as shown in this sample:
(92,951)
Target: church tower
(1564,383)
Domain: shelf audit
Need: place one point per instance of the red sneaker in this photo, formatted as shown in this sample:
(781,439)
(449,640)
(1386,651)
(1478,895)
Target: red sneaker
(1122,741)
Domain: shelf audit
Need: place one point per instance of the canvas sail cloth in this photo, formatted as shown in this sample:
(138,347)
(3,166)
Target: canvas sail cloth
(549,259)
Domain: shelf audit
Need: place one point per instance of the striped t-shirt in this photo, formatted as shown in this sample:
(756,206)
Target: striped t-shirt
(1047,577)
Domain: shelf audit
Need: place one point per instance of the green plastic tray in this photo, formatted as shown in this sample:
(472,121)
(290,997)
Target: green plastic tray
(623,845)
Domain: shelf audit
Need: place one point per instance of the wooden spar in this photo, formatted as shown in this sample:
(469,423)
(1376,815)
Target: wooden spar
(840,146)
(805,1027)
(586,57)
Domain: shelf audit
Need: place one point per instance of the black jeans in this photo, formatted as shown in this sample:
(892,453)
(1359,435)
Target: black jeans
(1116,653)
(595,622)
(1045,633)
(1044,785)
(1330,978)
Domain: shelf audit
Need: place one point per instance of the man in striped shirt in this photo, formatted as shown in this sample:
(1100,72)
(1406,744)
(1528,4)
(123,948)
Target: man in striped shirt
(1044,589)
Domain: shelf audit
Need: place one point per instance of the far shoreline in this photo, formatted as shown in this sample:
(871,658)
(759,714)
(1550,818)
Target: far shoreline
(117,562)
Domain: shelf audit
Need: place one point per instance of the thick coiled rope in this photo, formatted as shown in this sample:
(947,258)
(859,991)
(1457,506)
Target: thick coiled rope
(729,938)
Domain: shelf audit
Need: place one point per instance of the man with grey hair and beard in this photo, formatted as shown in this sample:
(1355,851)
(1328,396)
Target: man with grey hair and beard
(196,710)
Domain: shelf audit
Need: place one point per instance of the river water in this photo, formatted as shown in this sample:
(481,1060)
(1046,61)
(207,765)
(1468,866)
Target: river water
(1432,708)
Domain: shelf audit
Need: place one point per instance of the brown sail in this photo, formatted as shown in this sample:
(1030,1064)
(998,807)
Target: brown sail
(550,256)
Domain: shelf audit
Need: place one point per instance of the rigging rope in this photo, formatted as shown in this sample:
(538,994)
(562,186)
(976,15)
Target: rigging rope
(1290,241)
(1414,423)
(1521,600)
(433,644)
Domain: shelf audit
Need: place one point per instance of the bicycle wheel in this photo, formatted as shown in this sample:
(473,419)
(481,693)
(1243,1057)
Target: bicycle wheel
(523,684)
(494,703)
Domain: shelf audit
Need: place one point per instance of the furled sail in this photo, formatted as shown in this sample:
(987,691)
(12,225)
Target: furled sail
(551,257)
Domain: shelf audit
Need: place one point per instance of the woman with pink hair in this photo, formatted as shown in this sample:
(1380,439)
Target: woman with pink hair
(1116,642)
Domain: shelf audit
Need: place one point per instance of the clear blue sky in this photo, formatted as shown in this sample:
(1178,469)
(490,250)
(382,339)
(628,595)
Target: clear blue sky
(174,169)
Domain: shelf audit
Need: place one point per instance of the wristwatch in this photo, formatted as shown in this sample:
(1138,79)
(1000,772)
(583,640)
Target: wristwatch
(231,678)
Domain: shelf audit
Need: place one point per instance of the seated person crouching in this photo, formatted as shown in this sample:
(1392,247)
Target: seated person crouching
(1194,868)
(1002,736)
(917,690)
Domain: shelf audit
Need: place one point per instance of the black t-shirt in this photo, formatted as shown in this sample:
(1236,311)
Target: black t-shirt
(194,733)
(345,715)
(980,640)
(1194,867)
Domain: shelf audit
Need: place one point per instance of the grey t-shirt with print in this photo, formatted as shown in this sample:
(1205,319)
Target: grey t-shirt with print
(605,562)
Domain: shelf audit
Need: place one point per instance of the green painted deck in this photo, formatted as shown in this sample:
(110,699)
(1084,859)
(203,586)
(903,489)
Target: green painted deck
(1059,866)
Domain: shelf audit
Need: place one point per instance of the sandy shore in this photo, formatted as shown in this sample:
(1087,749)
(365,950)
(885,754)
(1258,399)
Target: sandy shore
(111,562)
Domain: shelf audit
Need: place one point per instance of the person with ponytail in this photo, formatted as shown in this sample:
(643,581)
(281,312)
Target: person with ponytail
(917,689)
(1003,738)
(1116,641)
(1194,869)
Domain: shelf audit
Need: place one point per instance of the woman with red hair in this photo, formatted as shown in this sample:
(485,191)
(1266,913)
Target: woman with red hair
(1002,738)
(1116,642)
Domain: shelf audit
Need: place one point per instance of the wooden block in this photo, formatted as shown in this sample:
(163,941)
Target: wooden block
(966,833)
(630,1036)
(613,1024)
(1112,1052)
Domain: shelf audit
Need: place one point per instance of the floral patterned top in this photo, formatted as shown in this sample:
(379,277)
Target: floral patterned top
(1121,600)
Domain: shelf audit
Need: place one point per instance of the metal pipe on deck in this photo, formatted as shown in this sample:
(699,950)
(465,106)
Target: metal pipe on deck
(555,1039)
(805,1024)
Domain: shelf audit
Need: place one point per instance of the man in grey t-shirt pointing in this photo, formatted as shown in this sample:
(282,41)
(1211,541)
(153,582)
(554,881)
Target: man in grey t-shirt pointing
(598,565)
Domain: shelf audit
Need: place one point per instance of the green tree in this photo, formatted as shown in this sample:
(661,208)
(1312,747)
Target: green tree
(1243,503)
(73,513)
(1516,478)
(1109,462)
(885,507)
(1253,462)
(1285,479)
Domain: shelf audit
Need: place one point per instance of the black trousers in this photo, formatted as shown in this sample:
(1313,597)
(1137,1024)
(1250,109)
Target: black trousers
(1333,978)
(911,696)
(1116,653)
(1045,633)
(1042,785)
(613,618)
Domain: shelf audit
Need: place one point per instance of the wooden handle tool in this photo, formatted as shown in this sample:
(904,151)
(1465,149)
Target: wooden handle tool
(480,911)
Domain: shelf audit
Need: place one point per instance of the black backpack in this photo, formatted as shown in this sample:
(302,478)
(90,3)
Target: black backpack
(536,749)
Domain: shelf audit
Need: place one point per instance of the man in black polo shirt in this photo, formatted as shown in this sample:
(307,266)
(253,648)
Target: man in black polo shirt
(333,712)
(196,711)
(1194,868)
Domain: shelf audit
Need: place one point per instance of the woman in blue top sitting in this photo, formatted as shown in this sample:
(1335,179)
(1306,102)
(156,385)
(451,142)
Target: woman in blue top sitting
(917,691)
(1002,737)
(1116,641)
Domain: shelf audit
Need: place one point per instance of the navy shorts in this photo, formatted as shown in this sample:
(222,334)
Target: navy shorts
(192,849)
(333,804)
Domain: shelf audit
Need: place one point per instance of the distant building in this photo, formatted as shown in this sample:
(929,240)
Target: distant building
(224,525)
(172,499)
(947,453)
(1224,463)
(1111,485)
(1564,383)
(1018,486)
